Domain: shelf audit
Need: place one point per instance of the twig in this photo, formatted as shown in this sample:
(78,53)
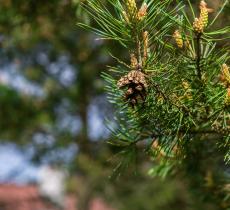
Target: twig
(198,55)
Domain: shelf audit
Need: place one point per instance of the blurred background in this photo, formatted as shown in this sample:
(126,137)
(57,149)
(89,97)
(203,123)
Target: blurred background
(53,108)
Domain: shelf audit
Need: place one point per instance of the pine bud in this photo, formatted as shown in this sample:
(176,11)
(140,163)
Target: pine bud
(125,16)
(178,38)
(204,10)
(187,43)
(131,8)
(146,45)
(201,22)
(226,73)
(142,11)
(198,25)
(227,98)
(185,85)
(204,16)
(188,91)
(133,61)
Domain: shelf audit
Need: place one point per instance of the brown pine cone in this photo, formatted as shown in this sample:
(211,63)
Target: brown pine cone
(136,86)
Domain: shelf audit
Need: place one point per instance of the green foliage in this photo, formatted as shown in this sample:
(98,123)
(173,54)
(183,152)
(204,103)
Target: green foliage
(10,103)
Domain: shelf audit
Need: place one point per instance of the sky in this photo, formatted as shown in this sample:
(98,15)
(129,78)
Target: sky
(15,165)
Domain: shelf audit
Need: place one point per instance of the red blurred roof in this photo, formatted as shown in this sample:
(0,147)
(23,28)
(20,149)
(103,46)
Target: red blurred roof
(27,197)
(14,197)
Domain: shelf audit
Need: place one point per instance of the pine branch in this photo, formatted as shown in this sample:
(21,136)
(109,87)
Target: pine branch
(179,110)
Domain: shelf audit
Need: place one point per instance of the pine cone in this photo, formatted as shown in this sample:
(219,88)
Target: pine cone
(136,86)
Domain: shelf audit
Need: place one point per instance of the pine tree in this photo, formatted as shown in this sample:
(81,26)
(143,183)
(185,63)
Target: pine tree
(173,97)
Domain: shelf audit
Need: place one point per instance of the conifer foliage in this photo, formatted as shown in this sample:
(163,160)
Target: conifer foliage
(174,95)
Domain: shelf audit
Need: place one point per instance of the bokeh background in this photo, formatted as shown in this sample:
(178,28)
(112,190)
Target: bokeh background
(54,117)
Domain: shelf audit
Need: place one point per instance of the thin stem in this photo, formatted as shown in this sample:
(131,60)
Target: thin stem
(138,48)
(198,56)
(139,51)
(137,44)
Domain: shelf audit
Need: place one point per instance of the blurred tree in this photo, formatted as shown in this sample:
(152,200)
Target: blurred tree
(50,82)
(41,40)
